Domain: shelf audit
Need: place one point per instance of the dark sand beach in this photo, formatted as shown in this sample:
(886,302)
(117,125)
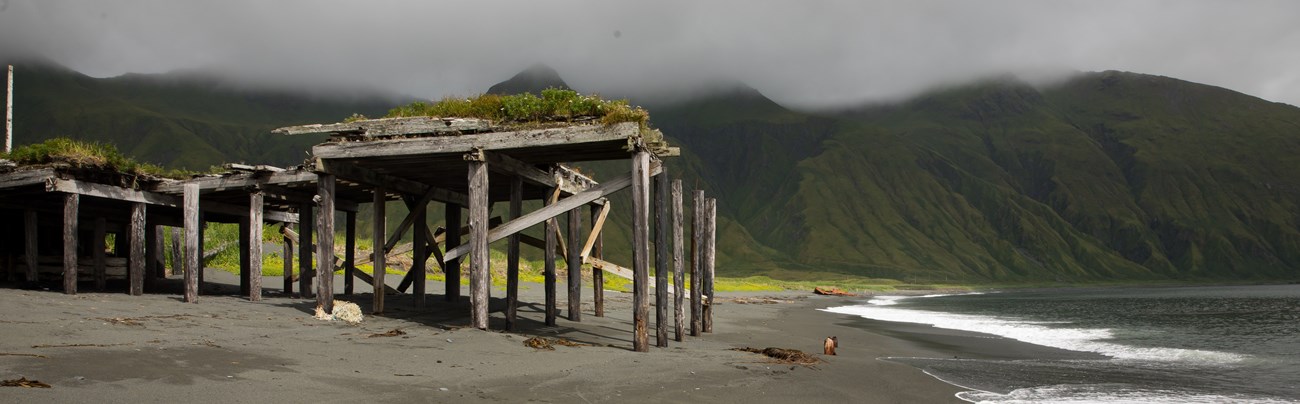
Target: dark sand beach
(111,347)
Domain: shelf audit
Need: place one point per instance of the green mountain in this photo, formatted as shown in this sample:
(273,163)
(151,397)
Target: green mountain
(189,120)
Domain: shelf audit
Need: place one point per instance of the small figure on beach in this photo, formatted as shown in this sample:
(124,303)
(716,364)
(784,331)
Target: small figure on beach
(829,345)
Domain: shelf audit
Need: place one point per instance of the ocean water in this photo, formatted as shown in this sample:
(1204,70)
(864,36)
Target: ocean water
(1177,345)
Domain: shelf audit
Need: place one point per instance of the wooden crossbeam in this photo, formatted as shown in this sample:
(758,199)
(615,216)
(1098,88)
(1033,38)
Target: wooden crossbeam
(484,141)
(416,125)
(364,277)
(352,172)
(595,231)
(239,181)
(155,198)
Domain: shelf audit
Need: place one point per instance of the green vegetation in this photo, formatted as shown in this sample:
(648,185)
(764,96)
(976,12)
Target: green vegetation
(86,154)
(555,105)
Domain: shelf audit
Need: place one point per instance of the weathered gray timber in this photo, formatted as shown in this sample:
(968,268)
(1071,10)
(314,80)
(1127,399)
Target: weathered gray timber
(287,253)
(245,256)
(407,221)
(380,261)
(595,248)
(452,265)
(70,205)
(178,250)
(390,182)
(420,254)
(575,264)
(305,246)
(349,250)
(152,198)
(697,280)
(710,239)
(661,258)
(548,268)
(479,277)
(97,253)
(509,165)
(29,244)
(255,246)
(392,127)
(640,250)
(154,266)
(679,281)
(136,234)
(512,255)
(325,243)
(532,138)
(203,226)
(192,256)
(26,177)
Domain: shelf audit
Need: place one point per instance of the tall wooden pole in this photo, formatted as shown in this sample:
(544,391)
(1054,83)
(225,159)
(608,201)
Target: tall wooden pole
(640,250)
(178,250)
(548,269)
(661,259)
(479,278)
(9,111)
(349,250)
(245,254)
(30,253)
(287,254)
(154,249)
(597,274)
(325,243)
(306,222)
(192,255)
(575,264)
(379,260)
(255,246)
(512,254)
(697,280)
(71,204)
(710,253)
(419,251)
(452,267)
(97,244)
(679,281)
(137,244)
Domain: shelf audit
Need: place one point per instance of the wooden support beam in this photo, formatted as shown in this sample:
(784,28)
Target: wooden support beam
(29,241)
(710,244)
(203,259)
(305,246)
(287,253)
(27,177)
(640,250)
(239,181)
(245,255)
(416,125)
(484,141)
(697,281)
(550,211)
(136,235)
(451,267)
(325,243)
(409,220)
(512,254)
(71,203)
(352,172)
(178,250)
(505,164)
(255,246)
(420,255)
(679,281)
(154,198)
(292,196)
(154,267)
(192,230)
(479,267)
(349,250)
(379,260)
(661,259)
(595,249)
(548,269)
(575,264)
(97,252)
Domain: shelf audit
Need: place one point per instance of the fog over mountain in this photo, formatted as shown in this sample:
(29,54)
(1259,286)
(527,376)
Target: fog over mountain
(802,54)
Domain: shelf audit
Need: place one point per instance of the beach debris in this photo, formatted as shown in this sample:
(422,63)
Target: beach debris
(344,311)
(549,343)
(22,354)
(783,355)
(124,321)
(396,332)
(24,383)
(78,345)
(829,345)
(832,292)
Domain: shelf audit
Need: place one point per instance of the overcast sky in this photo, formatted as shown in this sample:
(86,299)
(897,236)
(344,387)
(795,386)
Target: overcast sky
(800,53)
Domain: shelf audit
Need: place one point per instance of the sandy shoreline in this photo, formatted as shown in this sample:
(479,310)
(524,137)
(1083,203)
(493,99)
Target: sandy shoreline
(110,347)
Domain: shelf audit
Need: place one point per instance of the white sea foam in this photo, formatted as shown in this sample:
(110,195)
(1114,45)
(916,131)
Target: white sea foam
(1051,334)
(1105,393)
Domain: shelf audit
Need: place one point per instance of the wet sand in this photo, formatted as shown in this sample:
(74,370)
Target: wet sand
(110,347)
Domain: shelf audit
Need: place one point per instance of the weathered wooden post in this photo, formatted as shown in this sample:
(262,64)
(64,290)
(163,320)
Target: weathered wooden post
(306,222)
(325,243)
(479,277)
(597,274)
(640,250)
(512,254)
(245,254)
(97,253)
(9,110)
(349,250)
(419,252)
(203,227)
(379,261)
(178,250)
(255,207)
(192,255)
(679,281)
(661,258)
(548,269)
(71,204)
(575,263)
(286,252)
(697,280)
(30,251)
(452,269)
(154,250)
(135,267)
(710,244)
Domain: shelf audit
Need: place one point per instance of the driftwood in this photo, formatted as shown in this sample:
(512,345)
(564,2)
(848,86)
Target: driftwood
(549,343)
(790,356)
(23,382)
(832,292)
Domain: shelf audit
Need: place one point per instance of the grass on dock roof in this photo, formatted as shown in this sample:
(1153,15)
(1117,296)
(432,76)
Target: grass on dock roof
(83,154)
(555,105)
